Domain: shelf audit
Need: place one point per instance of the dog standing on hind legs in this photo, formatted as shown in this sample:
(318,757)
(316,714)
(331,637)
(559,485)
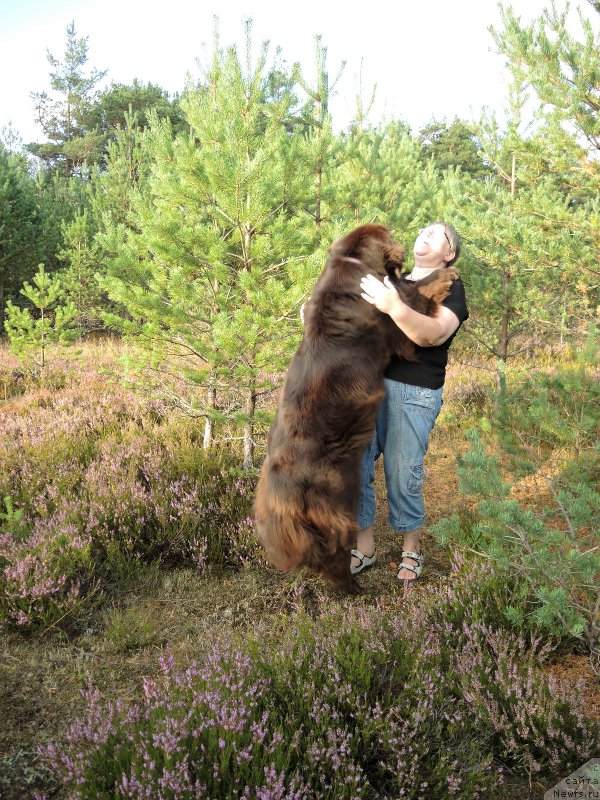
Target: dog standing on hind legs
(309,486)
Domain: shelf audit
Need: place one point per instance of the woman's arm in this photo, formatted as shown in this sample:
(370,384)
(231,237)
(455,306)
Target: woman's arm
(426,331)
(421,329)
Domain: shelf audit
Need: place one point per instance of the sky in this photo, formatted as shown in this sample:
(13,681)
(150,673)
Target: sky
(429,59)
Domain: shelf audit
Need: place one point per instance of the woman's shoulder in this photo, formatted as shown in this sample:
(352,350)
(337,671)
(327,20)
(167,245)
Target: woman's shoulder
(457,300)
(458,287)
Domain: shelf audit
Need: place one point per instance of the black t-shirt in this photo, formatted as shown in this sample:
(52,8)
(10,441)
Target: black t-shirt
(429,370)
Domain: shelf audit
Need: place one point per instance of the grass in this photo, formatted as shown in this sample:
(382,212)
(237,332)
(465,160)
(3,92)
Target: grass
(147,609)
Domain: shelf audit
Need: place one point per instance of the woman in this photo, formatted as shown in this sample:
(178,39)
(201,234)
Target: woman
(412,403)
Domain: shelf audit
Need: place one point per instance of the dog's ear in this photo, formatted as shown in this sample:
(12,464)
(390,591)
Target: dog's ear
(395,255)
(346,245)
(394,260)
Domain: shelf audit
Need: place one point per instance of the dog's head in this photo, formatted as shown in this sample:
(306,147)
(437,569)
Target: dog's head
(373,245)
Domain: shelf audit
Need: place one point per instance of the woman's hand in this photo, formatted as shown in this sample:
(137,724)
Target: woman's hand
(380,294)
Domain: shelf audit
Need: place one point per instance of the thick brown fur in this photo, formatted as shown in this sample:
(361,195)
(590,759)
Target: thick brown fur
(308,491)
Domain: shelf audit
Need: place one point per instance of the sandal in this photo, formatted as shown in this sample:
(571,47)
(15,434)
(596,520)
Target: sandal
(365,562)
(418,557)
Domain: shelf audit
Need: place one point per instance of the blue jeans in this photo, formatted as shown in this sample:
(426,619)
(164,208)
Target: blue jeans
(405,420)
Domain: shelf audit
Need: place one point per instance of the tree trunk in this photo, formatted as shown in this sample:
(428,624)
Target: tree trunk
(209,423)
(513,176)
(249,429)
(319,185)
(503,339)
(2,302)
(43,345)
(67,159)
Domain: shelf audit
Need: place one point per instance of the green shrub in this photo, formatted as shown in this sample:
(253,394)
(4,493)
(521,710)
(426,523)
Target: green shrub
(548,541)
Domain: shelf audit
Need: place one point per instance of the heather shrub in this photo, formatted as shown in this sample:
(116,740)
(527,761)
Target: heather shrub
(202,732)
(360,705)
(50,438)
(467,391)
(58,374)
(140,504)
(43,571)
(371,703)
(535,724)
(221,532)
(12,376)
(488,599)
(101,479)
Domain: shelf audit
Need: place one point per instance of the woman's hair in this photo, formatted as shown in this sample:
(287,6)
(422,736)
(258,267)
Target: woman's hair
(452,234)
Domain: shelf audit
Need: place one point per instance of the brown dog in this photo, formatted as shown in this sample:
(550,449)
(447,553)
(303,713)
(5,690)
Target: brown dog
(308,492)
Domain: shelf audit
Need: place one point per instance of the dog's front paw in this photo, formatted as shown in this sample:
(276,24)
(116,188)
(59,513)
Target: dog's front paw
(438,287)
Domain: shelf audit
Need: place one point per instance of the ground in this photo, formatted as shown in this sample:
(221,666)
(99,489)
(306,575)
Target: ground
(42,677)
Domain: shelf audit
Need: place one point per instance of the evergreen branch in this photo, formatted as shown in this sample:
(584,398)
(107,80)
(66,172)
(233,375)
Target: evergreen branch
(487,556)
(264,392)
(592,140)
(236,256)
(516,331)
(271,213)
(593,635)
(229,219)
(275,267)
(177,401)
(570,530)
(522,537)
(476,365)
(552,579)
(524,349)
(477,338)
(191,411)
(160,339)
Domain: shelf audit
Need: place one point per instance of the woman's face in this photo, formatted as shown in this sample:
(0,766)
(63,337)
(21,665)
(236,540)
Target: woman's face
(433,241)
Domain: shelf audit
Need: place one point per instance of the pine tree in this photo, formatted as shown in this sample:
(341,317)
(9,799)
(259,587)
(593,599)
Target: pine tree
(453,145)
(530,254)
(108,113)
(64,118)
(561,69)
(107,202)
(380,177)
(320,143)
(82,261)
(21,227)
(59,199)
(519,261)
(115,187)
(211,277)
(534,478)
(30,335)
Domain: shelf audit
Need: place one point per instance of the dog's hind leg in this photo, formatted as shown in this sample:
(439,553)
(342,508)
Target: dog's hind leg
(337,570)
(335,567)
